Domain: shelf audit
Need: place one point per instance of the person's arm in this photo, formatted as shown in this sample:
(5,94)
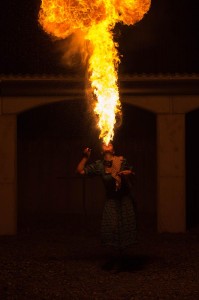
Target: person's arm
(126,172)
(83,161)
(126,169)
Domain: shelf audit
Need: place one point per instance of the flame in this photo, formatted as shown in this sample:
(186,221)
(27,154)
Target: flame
(94,21)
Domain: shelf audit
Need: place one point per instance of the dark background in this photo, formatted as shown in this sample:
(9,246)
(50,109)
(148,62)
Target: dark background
(166,40)
(50,143)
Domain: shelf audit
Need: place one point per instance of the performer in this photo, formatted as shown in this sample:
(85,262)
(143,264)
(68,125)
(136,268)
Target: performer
(118,227)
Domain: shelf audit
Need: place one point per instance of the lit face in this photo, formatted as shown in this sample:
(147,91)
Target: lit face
(107,149)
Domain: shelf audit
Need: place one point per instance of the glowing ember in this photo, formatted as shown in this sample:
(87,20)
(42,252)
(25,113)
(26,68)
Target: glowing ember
(95,19)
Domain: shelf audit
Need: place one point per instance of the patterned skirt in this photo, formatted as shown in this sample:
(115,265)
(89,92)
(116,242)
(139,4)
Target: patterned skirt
(118,228)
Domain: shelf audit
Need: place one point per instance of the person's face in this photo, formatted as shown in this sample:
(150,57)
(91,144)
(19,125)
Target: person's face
(107,149)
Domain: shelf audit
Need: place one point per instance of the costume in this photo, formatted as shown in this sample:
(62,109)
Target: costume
(118,228)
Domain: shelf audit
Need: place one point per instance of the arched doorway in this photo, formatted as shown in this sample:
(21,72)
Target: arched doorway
(192,167)
(50,141)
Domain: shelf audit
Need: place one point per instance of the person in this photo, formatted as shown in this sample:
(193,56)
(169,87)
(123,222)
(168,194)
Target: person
(118,225)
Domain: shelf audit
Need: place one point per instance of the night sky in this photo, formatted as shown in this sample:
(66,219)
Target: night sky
(165,41)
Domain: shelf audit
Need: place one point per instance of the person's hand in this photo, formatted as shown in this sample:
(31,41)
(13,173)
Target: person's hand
(87,152)
(126,172)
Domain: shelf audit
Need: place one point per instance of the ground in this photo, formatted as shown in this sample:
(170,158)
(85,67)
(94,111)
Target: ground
(66,263)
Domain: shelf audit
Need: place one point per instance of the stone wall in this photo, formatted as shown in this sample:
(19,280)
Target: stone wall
(169,97)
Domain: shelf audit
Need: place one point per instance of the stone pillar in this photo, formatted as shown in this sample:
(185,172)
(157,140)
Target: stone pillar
(171,172)
(8,189)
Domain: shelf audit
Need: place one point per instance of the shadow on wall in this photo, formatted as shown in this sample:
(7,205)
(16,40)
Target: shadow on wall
(50,143)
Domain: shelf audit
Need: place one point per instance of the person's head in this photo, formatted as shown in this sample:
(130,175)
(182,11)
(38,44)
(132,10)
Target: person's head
(107,149)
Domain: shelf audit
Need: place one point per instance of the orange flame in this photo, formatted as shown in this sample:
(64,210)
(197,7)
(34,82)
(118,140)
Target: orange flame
(95,20)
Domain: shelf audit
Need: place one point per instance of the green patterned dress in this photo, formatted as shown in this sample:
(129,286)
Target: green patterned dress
(118,228)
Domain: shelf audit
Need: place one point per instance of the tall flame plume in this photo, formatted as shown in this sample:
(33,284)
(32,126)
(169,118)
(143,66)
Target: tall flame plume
(94,21)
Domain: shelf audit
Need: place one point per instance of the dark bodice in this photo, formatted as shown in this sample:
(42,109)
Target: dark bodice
(97,168)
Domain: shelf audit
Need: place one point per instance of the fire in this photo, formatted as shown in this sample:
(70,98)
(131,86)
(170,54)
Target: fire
(95,20)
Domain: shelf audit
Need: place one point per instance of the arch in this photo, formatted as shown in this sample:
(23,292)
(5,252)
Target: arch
(169,96)
(183,104)
(152,103)
(17,105)
(42,153)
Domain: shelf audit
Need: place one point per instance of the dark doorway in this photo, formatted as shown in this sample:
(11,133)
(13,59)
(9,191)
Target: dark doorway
(192,169)
(137,140)
(50,143)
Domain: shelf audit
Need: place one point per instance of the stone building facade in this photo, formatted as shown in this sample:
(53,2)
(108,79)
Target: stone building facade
(169,97)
